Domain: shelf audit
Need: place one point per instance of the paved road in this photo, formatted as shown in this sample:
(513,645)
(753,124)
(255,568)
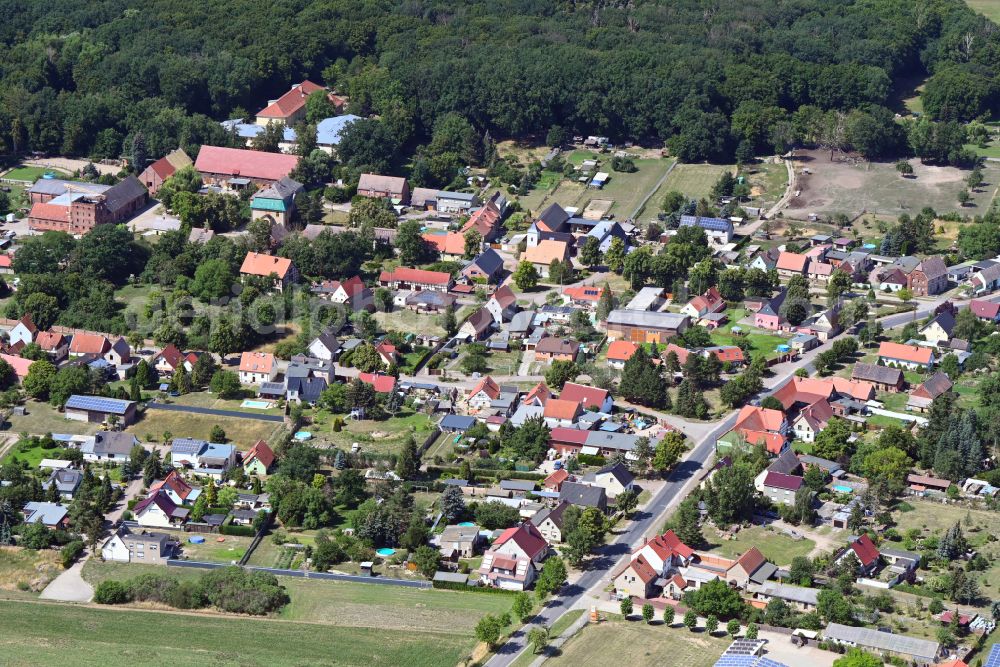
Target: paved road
(925,308)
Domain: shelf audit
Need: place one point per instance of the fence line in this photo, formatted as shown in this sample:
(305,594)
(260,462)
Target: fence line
(327,576)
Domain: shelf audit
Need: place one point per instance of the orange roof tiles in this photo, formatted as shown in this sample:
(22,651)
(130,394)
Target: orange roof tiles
(909,353)
(259,264)
(621,350)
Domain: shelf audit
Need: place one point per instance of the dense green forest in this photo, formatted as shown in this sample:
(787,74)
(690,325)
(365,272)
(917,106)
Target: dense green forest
(706,76)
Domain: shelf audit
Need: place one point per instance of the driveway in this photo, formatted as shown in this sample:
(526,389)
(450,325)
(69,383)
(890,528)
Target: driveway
(131,492)
(70,586)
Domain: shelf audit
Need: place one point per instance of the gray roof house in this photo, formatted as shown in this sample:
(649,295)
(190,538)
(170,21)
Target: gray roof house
(305,389)
(584,495)
(913,648)
(67,481)
(109,446)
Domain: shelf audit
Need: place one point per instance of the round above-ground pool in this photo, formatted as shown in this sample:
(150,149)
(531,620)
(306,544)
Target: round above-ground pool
(197,539)
(467,524)
(385,551)
(840,488)
(303,435)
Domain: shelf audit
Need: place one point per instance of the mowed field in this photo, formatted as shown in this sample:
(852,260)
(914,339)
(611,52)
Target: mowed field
(60,635)
(990,8)
(240,432)
(382,623)
(692,180)
(637,645)
(876,187)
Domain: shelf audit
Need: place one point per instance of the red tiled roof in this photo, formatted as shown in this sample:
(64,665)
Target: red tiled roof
(5,261)
(572,436)
(773,442)
(86,343)
(681,352)
(584,293)
(751,560)
(540,391)
(49,340)
(865,550)
(452,243)
(162,168)
(671,540)
(383,384)
(642,569)
(256,362)
(504,296)
(984,309)
(419,276)
(910,353)
(488,385)
(19,364)
(586,396)
(483,220)
(525,536)
(46,211)
(262,452)
(759,419)
(291,102)
(241,162)
(556,478)
(729,353)
(28,323)
(259,264)
(790,261)
(171,355)
(175,483)
(556,408)
(621,350)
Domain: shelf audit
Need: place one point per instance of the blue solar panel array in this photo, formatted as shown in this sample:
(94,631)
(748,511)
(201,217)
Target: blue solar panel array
(747,661)
(716,224)
(98,404)
(993,659)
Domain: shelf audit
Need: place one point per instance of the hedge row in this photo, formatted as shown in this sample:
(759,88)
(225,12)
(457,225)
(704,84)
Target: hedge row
(455,586)
(240,531)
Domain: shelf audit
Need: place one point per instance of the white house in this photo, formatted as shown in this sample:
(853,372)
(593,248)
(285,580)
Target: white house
(665,552)
(615,479)
(515,558)
(483,394)
(257,368)
(325,347)
(23,332)
(204,458)
(159,511)
(125,546)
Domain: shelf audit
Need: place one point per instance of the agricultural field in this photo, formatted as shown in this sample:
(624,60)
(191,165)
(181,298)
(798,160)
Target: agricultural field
(240,432)
(26,569)
(638,644)
(57,634)
(876,187)
(776,547)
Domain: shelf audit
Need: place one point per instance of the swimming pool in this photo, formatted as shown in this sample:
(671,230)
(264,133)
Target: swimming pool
(467,524)
(385,551)
(840,488)
(256,405)
(303,435)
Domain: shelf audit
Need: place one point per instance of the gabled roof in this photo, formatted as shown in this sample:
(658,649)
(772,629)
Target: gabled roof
(539,392)
(944,319)
(985,309)
(249,164)
(933,386)
(391,184)
(618,471)
(590,293)
(259,264)
(171,355)
(817,415)
(780,480)
(161,500)
(553,217)
(865,550)
(480,321)
(933,267)
(556,478)
(545,252)
(488,261)
(262,452)
(910,353)
(87,343)
(582,494)
(488,385)
(773,442)
(19,364)
(383,384)
(759,419)
(751,560)
(526,537)
(28,323)
(587,396)
(621,350)
(561,409)
(256,362)
(642,569)
(876,373)
(790,261)
(291,102)
(504,296)
(555,345)
(175,482)
(451,243)
(419,276)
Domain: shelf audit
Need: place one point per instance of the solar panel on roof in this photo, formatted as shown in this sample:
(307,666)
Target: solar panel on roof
(993,659)
(97,404)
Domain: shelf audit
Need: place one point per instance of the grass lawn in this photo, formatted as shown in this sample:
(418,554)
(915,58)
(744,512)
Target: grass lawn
(42,418)
(990,8)
(28,173)
(20,567)
(637,644)
(563,622)
(379,436)
(761,341)
(979,527)
(58,634)
(693,180)
(241,432)
(767,181)
(213,551)
(204,399)
(408,321)
(776,547)
(992,148)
